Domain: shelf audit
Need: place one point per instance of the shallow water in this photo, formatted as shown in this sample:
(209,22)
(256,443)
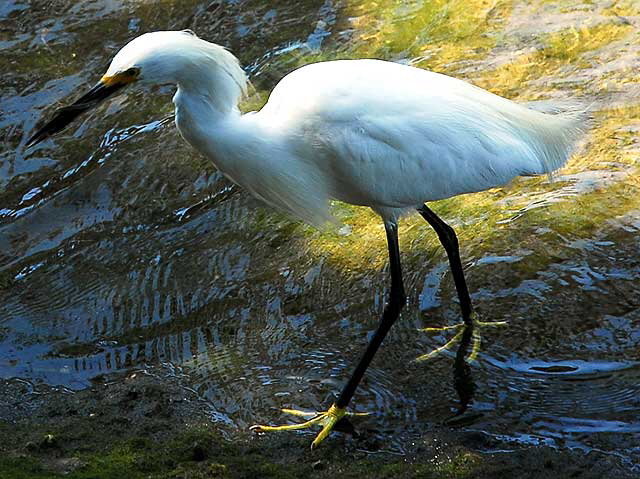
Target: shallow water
(122,249)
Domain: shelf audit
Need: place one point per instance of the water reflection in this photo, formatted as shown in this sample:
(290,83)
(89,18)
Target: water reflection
(125,250)
(462,378)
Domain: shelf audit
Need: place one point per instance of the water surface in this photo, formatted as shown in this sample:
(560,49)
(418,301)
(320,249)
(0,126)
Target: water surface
(122,249)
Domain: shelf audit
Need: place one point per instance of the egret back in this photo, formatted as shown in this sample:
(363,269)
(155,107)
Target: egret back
(393,136)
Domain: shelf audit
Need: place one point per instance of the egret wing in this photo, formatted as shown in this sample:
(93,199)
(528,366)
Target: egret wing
(396,136)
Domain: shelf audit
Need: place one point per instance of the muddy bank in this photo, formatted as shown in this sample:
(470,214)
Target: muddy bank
(149,425)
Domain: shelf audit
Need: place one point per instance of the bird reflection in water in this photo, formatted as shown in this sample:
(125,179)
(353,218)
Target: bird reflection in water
(463,380)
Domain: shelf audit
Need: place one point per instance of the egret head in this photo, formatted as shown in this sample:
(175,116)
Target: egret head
(156,58)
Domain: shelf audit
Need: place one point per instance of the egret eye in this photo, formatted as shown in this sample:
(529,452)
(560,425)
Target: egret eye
(132,72)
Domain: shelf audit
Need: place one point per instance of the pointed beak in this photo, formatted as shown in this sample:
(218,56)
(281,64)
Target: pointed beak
(106,87)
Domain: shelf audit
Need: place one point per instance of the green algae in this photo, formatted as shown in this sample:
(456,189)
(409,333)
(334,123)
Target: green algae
(570,44)
(559,50)
(621,8)
(195,452)
(436,34)
(202,455)
(198,453)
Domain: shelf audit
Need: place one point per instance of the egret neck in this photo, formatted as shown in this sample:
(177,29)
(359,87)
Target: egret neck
(247,148)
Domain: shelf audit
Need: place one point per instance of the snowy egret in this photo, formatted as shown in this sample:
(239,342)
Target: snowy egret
(366,132)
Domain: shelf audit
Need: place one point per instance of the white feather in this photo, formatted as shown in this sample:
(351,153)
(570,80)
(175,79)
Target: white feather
(367,132)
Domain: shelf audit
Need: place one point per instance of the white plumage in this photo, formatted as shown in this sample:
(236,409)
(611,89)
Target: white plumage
(367,132)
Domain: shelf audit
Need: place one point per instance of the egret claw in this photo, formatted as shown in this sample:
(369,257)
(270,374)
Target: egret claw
(475,323)
(327,420)
(441,349)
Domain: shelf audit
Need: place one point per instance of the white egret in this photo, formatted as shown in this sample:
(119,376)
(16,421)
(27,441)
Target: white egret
(366,132)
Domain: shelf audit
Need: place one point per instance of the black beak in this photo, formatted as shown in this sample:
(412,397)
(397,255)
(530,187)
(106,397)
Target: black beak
(67,114)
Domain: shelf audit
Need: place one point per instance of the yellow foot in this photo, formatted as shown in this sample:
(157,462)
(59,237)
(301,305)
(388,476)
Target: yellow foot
(326,419)
(476,326)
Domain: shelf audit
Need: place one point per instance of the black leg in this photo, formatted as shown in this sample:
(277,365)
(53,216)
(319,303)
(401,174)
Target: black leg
(397,300)
(337,414)
(449,241)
